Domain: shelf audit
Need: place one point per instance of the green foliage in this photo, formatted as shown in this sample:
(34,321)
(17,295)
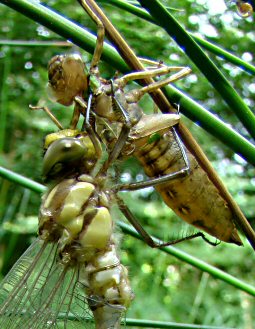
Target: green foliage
(165,288)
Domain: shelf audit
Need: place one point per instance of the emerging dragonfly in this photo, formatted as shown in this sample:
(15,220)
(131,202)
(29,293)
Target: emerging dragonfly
(73,267)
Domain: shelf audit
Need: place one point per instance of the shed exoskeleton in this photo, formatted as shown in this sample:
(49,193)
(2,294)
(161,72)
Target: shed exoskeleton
(112,114)
(193,197)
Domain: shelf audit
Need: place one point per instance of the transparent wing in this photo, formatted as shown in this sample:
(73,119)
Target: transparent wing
(39,292)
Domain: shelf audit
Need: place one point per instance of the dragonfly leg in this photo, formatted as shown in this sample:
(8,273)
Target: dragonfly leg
(154,64)
(75,117)
(86,124)
(124,133)
(100,36)
(162,179)
(49,113)
(139,93)
(123,136)
(152,242)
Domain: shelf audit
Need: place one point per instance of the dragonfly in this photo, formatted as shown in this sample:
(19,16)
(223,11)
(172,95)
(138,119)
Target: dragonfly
(72,273)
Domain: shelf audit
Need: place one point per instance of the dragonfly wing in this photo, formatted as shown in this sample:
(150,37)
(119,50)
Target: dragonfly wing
(39,292)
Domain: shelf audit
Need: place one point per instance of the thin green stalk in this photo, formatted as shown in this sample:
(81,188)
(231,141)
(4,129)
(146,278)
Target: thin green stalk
(183,256)
(4,187)
(86,41)
(11,248)
(21,180)
(33,43)
(200,296)
(201,60)
(218,51)
(169,325)
(13,238)
(4,99)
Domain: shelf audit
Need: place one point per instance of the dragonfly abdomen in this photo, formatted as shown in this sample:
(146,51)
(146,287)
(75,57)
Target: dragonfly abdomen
(86,230)
(194,197)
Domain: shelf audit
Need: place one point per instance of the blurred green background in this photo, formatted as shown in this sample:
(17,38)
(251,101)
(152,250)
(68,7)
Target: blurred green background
(166,289)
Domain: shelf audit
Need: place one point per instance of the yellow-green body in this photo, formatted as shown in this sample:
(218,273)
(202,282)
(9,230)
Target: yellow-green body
(77,210)
(71,206)
(73,268)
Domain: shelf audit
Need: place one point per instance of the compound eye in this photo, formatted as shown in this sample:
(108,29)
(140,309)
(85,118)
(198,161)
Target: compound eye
(62,153)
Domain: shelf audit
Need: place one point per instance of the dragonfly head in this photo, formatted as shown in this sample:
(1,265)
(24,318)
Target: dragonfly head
(68,152)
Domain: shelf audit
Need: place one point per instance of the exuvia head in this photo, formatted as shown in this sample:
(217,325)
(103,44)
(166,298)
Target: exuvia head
(68,78)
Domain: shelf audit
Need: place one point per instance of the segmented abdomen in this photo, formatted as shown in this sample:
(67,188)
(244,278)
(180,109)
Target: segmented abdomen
(194,197)
(82,215)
